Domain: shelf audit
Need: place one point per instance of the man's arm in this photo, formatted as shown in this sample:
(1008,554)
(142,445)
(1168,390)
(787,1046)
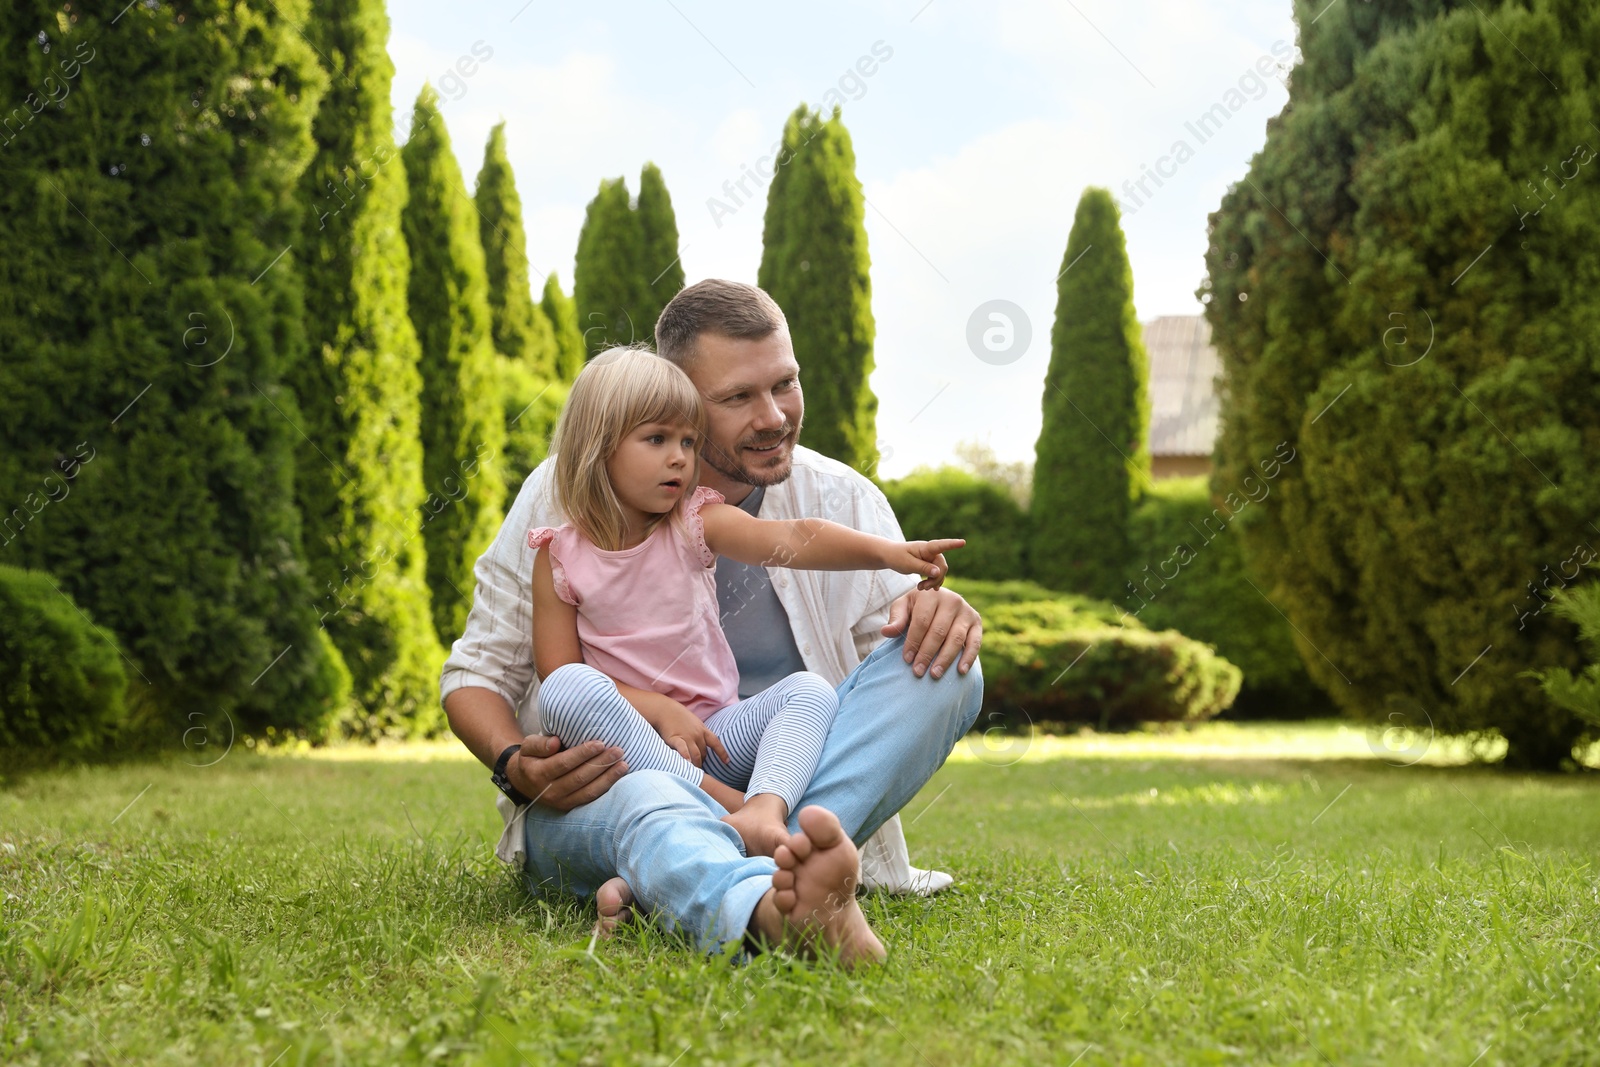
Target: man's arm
(554,777)
(940,627)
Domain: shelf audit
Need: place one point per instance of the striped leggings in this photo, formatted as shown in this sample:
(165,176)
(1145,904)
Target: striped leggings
(774,738)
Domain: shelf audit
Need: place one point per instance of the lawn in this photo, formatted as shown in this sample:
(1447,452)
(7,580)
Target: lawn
(1236,894)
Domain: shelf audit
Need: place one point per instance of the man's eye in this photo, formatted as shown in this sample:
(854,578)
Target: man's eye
(787,383)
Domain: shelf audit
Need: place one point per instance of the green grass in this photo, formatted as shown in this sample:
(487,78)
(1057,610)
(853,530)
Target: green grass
(1238,894)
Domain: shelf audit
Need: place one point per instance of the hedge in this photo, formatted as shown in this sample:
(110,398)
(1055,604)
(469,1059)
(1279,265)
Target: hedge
(61,677)
(1067,659)
(951,502)
(1180,580)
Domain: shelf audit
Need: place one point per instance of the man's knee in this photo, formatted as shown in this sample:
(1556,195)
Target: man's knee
(969,699)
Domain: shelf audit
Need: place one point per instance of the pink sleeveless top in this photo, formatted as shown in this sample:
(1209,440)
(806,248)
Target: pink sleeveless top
(647,615)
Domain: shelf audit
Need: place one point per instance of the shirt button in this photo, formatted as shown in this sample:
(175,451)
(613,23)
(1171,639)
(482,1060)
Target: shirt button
(806,650)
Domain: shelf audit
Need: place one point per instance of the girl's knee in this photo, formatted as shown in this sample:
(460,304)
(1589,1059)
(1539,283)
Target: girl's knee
(566,693)
(813,685)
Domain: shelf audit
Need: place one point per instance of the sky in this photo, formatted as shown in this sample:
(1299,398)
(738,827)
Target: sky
(976,128)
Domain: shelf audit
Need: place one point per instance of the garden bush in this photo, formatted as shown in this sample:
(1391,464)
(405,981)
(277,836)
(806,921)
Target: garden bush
(951,502)
(1389,300)
(1188,574)
(1577,693)
(61,678)
(1067,659)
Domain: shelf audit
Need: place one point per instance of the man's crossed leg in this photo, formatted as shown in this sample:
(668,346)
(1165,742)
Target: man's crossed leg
(667,841)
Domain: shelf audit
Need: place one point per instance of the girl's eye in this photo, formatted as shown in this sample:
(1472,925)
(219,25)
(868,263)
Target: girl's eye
(654,439)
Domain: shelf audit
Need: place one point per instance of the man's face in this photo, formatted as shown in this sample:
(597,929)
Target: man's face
(753,404)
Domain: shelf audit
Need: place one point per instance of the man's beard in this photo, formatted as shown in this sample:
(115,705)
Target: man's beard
(729,466)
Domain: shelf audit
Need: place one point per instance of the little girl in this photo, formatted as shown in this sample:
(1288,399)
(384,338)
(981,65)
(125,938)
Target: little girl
(626,635)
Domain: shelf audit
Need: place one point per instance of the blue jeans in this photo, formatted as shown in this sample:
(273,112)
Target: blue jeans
(667,840)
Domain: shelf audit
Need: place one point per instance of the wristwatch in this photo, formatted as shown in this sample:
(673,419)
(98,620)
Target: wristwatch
(502,782)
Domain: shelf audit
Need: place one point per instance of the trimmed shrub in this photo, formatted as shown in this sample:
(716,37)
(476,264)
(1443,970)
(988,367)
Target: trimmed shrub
(1402,289)
(1578,693)
(61,678)
(1181,580)
(1061,660)
(950,502)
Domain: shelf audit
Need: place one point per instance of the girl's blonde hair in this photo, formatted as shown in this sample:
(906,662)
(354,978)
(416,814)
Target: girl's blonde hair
(619,390)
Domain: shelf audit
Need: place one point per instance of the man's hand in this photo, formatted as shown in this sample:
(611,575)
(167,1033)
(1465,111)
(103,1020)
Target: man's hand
(939,627)
(683,731)
(563,779)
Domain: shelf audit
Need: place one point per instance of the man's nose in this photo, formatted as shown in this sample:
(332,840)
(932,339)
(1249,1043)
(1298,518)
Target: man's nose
(768,415)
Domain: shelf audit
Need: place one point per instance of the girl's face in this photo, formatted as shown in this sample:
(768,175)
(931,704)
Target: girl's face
(653,467)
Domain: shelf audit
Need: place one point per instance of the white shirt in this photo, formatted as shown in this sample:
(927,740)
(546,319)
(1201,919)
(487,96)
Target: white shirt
(496,650)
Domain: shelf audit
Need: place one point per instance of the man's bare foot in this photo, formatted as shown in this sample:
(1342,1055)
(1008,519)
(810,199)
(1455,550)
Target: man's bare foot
(812,905)
(615,902)
(762,824)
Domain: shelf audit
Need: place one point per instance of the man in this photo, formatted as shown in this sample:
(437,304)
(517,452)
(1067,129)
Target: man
(589,822)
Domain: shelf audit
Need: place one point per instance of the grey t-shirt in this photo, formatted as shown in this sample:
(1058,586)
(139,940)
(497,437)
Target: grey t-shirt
(753,619)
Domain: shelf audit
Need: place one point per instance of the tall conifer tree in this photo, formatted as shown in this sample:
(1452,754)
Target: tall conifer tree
(147,440)
(1092,459)
(562,313)
(607,282)
(814,263)
(463,423)
(360,489)
(628,265)
(662,264)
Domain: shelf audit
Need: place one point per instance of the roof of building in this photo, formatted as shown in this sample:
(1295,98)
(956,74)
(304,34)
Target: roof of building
(1183,395)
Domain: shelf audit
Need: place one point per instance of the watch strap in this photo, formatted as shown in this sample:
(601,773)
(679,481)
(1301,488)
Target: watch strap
(503,782)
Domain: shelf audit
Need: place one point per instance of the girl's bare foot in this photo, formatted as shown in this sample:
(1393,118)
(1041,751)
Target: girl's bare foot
(762,824)
(615,902)
(726,795)
(813,897)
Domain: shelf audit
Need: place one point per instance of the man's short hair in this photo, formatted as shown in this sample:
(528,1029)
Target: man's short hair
(731,309)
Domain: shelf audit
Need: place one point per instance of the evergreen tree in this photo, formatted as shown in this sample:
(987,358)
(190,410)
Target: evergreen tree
(152,302)
(463,423)
(661,263)
(522,333)
(628,265)
(1092,459)
(360,489)
(814,263)
(607,281)
(1424,355)
(562,314)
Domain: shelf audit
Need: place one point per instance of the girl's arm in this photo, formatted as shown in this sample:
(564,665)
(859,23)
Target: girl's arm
(555,622)
(819,545)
